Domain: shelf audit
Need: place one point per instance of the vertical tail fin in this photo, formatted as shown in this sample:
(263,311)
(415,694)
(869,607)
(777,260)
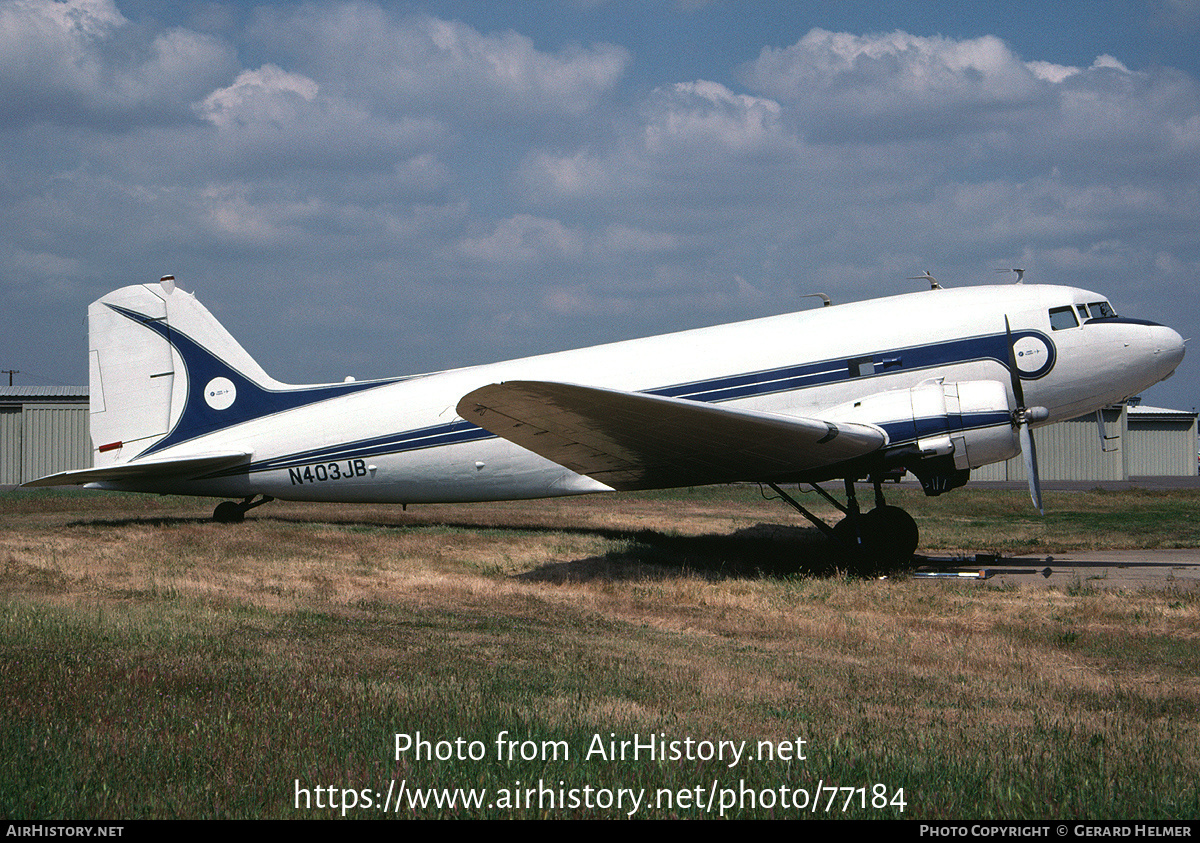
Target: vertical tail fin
(163,372)
(161,369)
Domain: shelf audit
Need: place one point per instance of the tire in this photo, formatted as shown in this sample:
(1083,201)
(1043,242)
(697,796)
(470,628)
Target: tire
(229,512)
(890,537)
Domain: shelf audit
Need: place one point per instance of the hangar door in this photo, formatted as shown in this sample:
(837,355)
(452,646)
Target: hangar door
(41,439)
(10,445)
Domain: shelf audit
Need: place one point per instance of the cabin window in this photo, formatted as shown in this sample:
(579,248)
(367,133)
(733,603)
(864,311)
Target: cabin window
(1062,318)
(1101,310)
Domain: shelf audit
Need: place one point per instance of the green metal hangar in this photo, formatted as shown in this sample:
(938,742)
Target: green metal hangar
(44,429)
(1132,441)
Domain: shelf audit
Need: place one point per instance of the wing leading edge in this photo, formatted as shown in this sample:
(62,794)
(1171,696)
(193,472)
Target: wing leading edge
(637,441)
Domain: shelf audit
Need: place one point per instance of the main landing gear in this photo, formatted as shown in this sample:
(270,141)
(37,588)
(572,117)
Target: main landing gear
(234,512)
(883,539)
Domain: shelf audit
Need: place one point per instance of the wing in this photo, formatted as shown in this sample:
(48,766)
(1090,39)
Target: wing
(636,441)
(180,468)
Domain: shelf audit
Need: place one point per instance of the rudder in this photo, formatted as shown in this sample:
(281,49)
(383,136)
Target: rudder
(140,383)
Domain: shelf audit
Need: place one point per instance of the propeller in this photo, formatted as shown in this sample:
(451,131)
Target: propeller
(1022,416)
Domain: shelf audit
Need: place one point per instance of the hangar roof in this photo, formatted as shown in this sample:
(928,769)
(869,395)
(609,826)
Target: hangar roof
(29,394)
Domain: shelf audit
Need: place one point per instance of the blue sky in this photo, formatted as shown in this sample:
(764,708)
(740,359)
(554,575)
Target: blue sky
(374,189)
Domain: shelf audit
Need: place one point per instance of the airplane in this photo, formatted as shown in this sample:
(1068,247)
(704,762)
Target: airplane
(936,382)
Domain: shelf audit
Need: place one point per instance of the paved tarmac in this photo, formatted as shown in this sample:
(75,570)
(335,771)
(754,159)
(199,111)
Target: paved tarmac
(1116,569)
(1158,483)
(1130,570)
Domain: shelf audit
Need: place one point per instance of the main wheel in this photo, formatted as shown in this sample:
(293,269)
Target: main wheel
(229,512)
(889,535)
(852,553)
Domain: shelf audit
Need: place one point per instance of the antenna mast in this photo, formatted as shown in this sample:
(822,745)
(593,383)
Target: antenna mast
(933,282)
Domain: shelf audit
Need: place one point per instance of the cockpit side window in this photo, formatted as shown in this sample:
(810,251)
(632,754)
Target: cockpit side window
(1101,310)
(1062,318)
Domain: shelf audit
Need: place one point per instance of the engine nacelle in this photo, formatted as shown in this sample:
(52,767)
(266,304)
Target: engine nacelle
(961,425)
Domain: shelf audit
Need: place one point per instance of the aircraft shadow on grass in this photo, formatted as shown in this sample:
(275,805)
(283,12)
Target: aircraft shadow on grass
(763,550)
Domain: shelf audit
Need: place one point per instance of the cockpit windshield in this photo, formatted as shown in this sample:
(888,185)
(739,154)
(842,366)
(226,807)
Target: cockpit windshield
(1063,318)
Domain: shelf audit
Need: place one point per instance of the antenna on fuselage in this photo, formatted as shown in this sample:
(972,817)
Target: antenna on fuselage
(825,300)
(1020,274)
(933,282)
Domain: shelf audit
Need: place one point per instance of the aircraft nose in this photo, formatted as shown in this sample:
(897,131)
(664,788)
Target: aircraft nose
(1168,348)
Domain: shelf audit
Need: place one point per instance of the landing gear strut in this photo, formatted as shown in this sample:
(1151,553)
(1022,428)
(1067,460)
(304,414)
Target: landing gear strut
(882,539)
(234,512)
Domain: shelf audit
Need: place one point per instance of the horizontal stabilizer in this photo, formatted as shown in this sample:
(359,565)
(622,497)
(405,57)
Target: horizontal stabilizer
(637,441)
(179,468)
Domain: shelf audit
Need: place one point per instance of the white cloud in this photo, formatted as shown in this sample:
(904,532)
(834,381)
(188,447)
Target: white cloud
(447,66)
(708,115)
(524,239)
(896,78)
(268,94)
(1049,72)
(79,61)
(279,123)
(527,239)
(974,104)
(509,64)
(552,176)
(1109,62)
(233,215)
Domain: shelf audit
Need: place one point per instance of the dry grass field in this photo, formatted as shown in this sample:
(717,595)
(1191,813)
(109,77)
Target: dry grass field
(156,664)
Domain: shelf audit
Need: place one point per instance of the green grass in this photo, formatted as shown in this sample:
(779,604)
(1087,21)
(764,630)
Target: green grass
(184,711)
(1006,521)
(155,665)
(187,711)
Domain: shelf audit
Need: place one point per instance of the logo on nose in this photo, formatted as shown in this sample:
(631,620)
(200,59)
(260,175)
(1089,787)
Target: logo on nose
(1035,356)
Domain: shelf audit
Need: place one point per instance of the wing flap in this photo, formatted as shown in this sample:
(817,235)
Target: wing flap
(156,469)
(637,441)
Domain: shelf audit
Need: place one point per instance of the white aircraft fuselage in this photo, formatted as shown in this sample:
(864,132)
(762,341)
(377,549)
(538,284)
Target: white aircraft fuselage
(179,407)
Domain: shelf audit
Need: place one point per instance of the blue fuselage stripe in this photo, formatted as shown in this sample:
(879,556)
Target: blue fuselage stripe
(415,440)
(714,390)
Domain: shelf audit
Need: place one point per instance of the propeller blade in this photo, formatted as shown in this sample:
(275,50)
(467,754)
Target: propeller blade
(1029,452)
(1014,374)
(1021,418)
